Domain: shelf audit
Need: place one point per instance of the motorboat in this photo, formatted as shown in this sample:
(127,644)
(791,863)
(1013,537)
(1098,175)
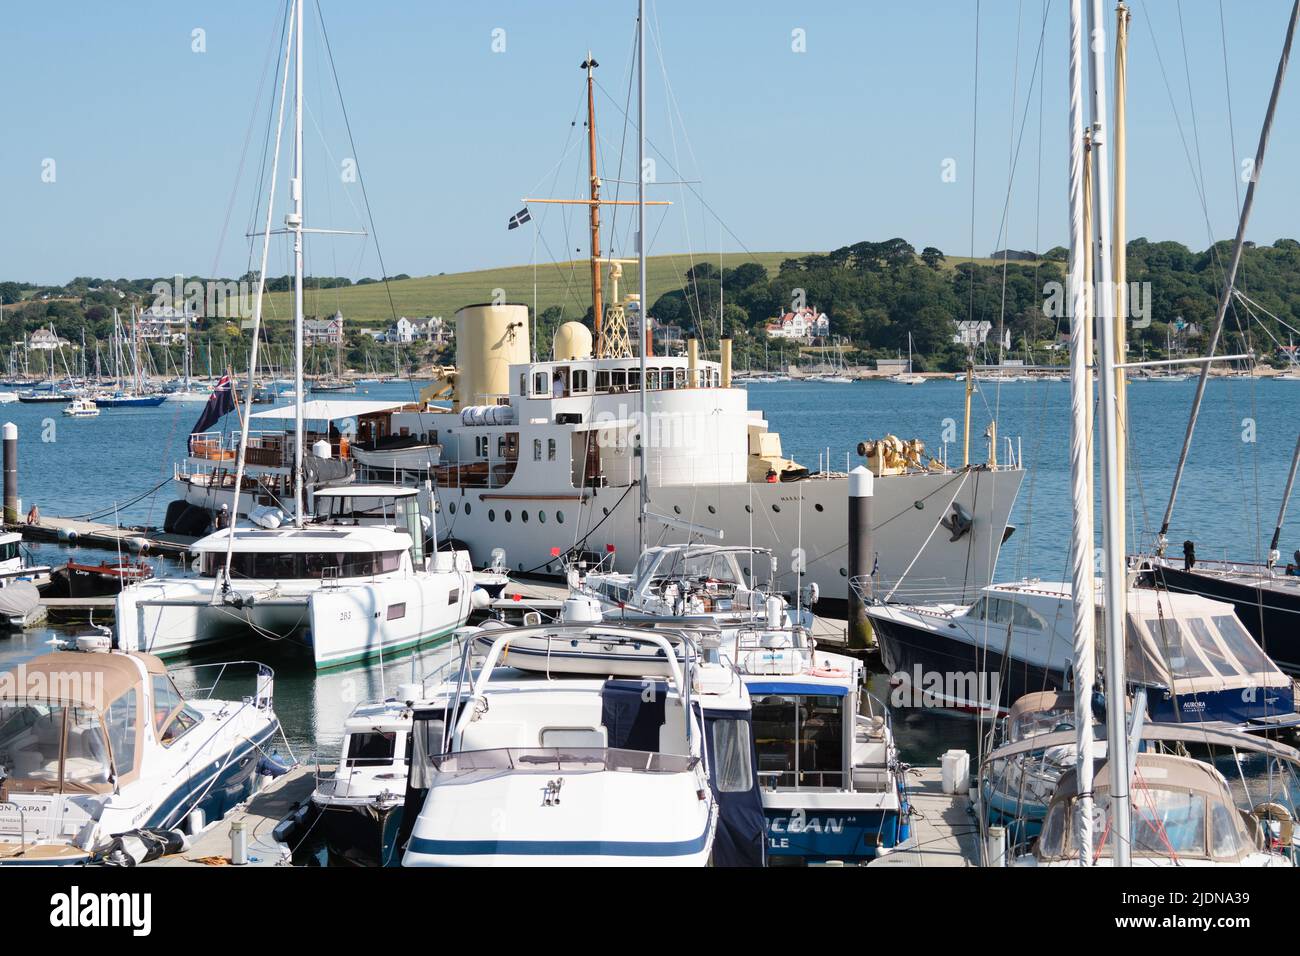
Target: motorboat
(20,583)
(566,771)
(96,743)
(1191,653)
(81,408)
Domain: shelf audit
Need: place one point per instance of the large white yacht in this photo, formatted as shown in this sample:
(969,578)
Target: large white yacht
(542,458)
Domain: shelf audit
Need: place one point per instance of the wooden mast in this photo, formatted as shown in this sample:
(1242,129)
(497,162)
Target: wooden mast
(597,298)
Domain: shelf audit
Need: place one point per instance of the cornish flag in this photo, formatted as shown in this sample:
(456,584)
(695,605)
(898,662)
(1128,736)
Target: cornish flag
(519,218)
(220,403)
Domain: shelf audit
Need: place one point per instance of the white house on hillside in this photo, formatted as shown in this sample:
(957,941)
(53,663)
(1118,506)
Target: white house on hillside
(804,324)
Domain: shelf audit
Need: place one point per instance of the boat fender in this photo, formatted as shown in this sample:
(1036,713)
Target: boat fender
(273,765)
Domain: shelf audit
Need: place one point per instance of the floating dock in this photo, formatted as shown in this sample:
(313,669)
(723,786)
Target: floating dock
(110,537)
(260,815)
(944,829)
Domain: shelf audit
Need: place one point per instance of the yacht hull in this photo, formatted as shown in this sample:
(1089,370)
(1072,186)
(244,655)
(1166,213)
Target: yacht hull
(805,520)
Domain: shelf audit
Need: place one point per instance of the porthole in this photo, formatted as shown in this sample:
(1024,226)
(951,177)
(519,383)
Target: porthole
(541,517)
(559,516)
(492,515)
(467,507)
(844,573)
(606,510)
(507,516)
(918,505)
(523,516)
(818,507)
(712,510)
(749,510)
(677,509)
(451,507)
(776,508)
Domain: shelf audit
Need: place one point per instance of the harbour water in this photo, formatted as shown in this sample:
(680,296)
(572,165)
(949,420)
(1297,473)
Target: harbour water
(1228,503)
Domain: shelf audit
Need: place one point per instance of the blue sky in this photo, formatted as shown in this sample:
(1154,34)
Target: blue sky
(792,150)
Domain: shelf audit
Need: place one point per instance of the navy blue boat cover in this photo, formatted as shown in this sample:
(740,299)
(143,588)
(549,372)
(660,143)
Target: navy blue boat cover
(632,712)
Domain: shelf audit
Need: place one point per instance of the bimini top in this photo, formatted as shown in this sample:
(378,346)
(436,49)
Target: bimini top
(351,539)
(77,678)
(366,491)
(329,410)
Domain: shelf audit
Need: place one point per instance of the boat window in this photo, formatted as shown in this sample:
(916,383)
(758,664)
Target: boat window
(732,770)
(799,740)
(559,516)
(166,700)
(31,737)
(1023,617)
(1166,823)
(679,378)
(541,385)
(396,611)
(1204,638)
(550,449)
(537,449)
(9,551)
(579,383)
(186,719)
(633,379)
(453,596)
(1052,839)
(121,716)
(481,446)
(1242,645)
(652,378)
(618,379)
(523,388)
(1175,649)
(602,381)
(373,749)
(86,763)
(451,506)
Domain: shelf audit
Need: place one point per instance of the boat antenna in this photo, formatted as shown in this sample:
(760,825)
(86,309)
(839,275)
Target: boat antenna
(241,458)
(1230,279)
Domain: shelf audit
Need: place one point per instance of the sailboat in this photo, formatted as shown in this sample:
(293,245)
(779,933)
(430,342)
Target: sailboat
(187,392)
(134,395)
(353,579)
(909,377)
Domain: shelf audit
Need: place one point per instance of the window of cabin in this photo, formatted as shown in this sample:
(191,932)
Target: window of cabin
(396,611)
(602,381)
(121,718)
(679,378)
(618,379)
(537,449)
(541,385)
(652,378)
(523,384)
(633,379)
(453,596)
(373,749)
(550,449)
(579,381)
(481,446)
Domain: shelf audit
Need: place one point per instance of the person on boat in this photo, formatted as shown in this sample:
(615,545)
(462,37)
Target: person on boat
(557,386)
(1189,555)
(34,516)
(223,517)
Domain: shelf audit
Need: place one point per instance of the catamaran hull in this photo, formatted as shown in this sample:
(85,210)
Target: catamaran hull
(803,519)
(343,624)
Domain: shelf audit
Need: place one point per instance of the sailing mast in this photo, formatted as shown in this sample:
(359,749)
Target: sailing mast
(597,299)
(294,222)
(643,307)
(1111,452)
(1081,538)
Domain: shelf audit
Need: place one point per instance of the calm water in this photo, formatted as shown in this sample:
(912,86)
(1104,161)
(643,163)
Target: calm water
(1228,504)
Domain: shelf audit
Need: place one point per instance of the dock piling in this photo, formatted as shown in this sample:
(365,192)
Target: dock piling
(11,472)
(861,555)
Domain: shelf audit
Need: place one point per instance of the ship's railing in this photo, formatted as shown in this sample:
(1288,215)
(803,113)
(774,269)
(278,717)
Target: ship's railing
(196,687)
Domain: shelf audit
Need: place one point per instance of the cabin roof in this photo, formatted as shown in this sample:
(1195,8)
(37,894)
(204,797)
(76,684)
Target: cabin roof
(316,538)
(365,491)
(329,410)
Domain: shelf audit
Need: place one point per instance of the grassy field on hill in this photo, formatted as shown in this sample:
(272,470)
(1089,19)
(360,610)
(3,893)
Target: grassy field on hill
(567,285)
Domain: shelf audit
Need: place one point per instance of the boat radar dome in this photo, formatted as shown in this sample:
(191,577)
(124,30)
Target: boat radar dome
(572,342)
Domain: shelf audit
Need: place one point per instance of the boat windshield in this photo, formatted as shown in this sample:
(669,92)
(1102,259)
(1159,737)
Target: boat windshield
(566,759)
(52,747)
(302,565)
(1167,824)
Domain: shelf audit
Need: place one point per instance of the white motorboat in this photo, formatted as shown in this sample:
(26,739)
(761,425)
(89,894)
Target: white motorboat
(355,584)
(81,408)
(96,743)
(564,771)
(7,397)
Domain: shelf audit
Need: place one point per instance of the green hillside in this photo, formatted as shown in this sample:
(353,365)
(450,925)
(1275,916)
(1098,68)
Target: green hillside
(567,285)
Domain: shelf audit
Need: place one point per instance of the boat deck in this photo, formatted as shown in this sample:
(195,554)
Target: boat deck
(261,814)
(944,829)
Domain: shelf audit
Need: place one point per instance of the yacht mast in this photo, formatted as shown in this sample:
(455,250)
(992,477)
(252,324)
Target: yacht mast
(644,304)
(1230,279)
(295,225)
(1081,539)
(597,295)
(1111,451)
